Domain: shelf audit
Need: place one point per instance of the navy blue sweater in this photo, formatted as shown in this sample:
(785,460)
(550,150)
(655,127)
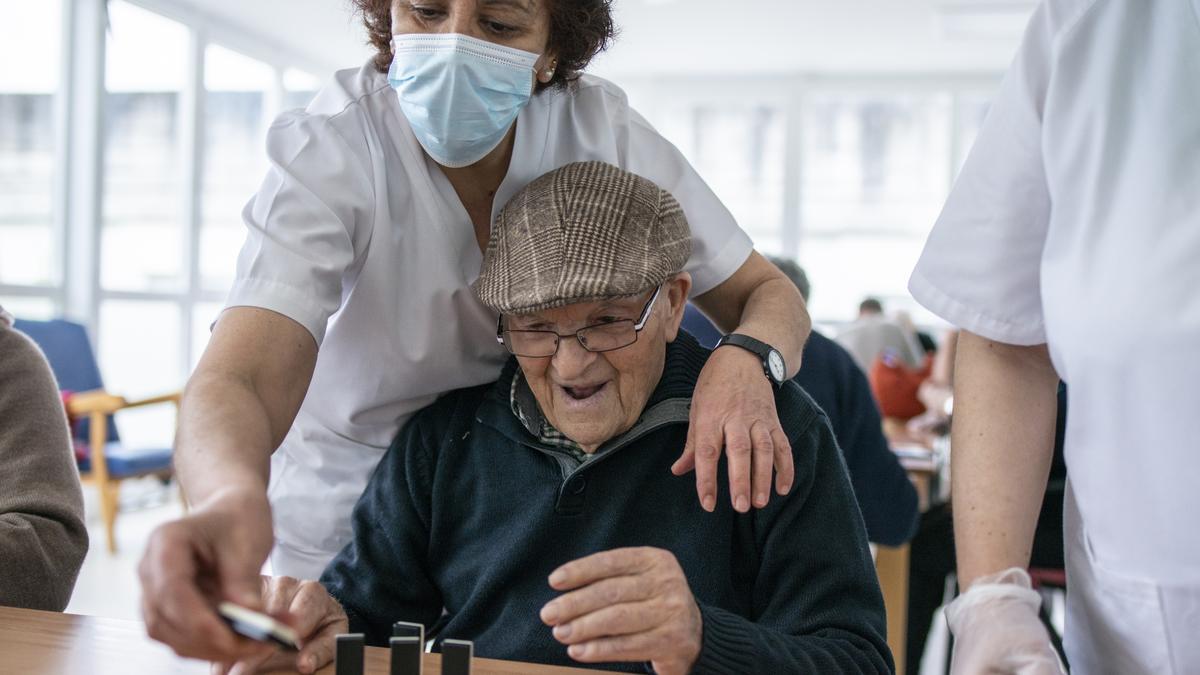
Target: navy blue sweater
(829,374)
(468,512)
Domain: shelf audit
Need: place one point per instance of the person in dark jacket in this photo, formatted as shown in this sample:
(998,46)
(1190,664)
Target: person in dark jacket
(537,515)
(830,375)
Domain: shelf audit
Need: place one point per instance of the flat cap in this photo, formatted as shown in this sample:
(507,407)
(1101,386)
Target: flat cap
(585,231)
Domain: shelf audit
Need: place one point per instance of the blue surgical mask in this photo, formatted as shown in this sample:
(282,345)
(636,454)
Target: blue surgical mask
(459,94)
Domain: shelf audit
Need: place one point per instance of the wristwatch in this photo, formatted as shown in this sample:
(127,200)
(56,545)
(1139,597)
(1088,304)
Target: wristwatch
(772,360)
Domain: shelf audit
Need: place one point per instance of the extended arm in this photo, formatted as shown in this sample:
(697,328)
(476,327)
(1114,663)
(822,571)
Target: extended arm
(236,409)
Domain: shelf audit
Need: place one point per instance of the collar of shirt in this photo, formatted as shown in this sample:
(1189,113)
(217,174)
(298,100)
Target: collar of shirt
(525,406)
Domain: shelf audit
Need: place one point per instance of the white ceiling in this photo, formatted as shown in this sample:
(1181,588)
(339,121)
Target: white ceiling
(705,36)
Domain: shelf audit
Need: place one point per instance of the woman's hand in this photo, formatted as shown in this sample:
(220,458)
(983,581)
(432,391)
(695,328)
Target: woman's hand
(309,609)
(734,407)
(627,604)
(212,554)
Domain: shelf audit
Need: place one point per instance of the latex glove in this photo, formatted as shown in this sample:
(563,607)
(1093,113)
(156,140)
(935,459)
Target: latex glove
(997,630)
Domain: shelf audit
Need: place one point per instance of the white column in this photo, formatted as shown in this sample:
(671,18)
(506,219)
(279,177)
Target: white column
(191,129)
(793,171)
(82,209)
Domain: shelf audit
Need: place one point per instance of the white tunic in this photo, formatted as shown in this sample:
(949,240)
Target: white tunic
(361,239)
(1076,222)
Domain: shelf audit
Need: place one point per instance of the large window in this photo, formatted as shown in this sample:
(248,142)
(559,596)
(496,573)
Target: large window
(847,176)
(183,120)
(30,260)
(237,90)
(143,231)
(876,172)
(739,151)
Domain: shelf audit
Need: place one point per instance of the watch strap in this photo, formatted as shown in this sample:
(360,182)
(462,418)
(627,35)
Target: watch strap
(758,347)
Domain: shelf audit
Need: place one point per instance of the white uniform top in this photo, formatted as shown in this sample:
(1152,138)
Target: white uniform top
(357,236)
(1076,222)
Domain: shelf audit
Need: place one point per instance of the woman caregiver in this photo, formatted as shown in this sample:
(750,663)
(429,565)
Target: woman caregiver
(1070,247)
(363,241)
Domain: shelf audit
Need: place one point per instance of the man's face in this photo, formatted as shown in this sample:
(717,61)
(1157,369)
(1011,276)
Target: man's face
(593,396)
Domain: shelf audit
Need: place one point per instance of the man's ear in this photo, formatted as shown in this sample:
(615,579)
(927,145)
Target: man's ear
(677,295)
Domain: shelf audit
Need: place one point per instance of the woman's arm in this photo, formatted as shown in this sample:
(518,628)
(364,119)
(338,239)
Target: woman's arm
(236,409)
(42,536)
(734,404)
(1005,405)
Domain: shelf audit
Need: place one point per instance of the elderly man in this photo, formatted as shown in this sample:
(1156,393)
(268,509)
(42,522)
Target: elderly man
(540,511)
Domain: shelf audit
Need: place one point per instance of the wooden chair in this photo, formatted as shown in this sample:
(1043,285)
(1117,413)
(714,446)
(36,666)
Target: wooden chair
(107,461)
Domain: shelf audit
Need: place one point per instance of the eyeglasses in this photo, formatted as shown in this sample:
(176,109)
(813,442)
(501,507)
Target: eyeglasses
(600,337)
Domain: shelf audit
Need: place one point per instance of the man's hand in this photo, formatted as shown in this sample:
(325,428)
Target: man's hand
(191,564)
(627,604)
(734,408)
(316,617)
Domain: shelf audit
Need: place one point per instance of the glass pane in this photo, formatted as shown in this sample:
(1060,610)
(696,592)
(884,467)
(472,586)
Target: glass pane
(299,88)
(139,355)
(972,109)
(203,316)
(875,163)
(234,159)
(142,236)
(38,309)
(845,269)
(30,35)
(738,151)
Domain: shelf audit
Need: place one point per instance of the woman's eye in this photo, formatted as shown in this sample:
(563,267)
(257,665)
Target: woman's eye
(427,12)
(498,28)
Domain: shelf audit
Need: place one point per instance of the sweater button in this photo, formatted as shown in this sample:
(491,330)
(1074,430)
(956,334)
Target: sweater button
(576,485)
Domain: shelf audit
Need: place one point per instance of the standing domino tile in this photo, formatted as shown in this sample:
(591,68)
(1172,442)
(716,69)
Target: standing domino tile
(406,655)
(456,657)
(406,629)
(350,654)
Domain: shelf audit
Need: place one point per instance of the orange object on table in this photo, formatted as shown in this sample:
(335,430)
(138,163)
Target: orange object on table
(48,643)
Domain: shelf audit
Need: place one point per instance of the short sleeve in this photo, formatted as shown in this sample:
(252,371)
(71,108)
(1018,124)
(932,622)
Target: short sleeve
(306,225)
(719,246)
(980,269)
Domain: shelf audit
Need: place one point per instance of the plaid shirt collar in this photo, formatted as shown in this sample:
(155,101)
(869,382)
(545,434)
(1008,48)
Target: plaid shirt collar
(526,409)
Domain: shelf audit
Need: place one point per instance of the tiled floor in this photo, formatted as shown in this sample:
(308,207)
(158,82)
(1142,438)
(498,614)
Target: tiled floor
(107,584)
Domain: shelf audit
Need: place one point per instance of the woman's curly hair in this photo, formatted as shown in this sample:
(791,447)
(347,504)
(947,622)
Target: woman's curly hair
(579,30)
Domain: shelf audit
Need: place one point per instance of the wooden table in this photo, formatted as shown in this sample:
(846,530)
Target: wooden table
(47,643)
(892,563)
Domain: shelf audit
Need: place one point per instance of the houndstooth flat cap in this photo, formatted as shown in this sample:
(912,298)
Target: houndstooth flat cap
(583,232)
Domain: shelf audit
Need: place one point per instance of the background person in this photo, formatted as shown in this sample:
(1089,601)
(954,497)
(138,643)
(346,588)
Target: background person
(1087,163)
(828,373)
(43,539)
(872,333)
(362,244)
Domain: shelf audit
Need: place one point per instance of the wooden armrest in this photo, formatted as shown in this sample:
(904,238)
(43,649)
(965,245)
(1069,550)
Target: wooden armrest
(99,401)
(172,397)
(95,401)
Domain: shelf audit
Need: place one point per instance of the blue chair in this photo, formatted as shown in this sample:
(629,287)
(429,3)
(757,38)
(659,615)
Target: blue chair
(107,461)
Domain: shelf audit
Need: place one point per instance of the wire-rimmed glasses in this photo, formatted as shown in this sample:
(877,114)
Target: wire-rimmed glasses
(599,337)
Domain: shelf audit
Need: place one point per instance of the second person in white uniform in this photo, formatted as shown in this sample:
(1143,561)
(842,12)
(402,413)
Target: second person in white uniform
(1070,247)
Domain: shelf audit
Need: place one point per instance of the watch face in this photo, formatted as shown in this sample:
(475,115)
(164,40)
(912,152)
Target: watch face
(775,363)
